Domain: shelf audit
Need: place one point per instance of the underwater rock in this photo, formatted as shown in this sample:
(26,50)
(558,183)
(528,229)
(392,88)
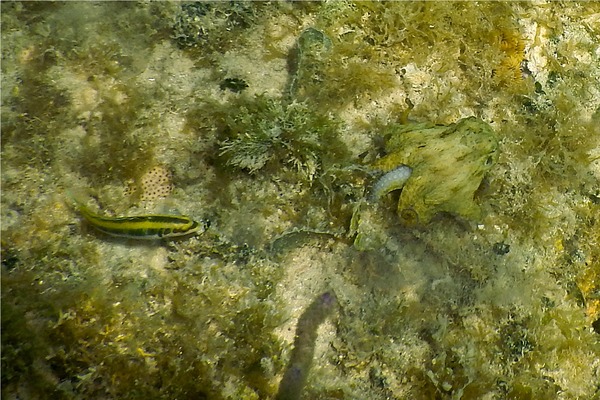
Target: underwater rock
(306,61)
(448,164)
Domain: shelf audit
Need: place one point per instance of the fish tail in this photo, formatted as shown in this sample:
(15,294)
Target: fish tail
(78,199)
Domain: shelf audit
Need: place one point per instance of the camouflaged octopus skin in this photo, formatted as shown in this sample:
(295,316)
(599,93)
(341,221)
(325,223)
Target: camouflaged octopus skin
(448,164)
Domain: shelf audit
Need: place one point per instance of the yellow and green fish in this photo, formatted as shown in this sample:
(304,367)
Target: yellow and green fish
(154,226)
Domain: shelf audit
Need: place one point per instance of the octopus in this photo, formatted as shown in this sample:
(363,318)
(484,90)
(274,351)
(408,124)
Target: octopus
(438,167)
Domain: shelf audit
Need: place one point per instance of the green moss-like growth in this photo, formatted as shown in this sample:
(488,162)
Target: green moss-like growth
(84,339)
(268,134)
(204,27)
(323,73)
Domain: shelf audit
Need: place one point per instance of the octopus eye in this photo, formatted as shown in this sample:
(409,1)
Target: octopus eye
(409,217)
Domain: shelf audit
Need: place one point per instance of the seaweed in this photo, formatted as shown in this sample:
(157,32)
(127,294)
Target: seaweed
(270,134)
(205,27)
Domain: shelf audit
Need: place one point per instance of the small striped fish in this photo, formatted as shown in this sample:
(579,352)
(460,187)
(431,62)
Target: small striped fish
(143,226)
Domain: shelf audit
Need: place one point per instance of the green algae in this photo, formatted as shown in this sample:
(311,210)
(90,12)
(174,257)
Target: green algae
(435,312)
(266,134)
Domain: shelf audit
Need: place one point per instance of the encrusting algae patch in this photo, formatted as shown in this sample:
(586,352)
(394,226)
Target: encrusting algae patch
(473,276)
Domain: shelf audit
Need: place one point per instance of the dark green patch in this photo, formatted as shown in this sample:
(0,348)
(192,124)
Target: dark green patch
(234,85)
(501,248)
(204,28)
